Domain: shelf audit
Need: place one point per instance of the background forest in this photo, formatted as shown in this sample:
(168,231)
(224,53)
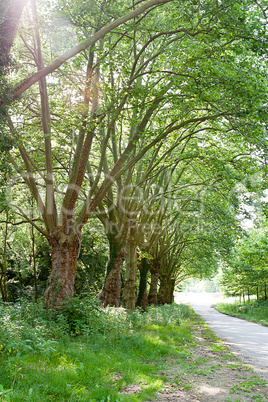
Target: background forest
(133,146)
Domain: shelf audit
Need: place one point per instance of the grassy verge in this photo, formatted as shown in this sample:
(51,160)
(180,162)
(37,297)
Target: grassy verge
(89,354)
(254,310)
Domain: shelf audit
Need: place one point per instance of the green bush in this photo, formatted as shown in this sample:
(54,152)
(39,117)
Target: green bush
(82,316)
(26,326)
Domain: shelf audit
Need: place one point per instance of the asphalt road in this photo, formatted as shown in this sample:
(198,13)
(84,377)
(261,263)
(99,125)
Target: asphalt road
(247,340)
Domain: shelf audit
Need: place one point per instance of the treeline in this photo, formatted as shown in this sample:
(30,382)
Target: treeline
(246,273)
(150,123)
(173,255)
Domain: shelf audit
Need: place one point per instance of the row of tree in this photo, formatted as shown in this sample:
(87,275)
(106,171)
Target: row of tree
(246,273)
(147,121)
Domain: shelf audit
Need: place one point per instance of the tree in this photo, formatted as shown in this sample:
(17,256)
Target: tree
(171,76)
(246,271)
(62,232)
(10,15)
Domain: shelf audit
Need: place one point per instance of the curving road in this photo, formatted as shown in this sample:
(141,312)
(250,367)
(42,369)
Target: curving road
(247,340)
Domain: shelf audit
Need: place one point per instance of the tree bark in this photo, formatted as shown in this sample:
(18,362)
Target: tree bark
(3,283)
(166,290)
(129,293)
(61,283)
(10,12)
(155,270)
(34,264)
(111,291)
(142,299)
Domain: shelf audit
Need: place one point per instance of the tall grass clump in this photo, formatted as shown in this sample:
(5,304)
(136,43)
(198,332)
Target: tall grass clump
(251,310)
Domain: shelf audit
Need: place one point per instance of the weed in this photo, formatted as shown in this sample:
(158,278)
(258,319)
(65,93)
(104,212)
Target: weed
(186,387)
(4,393)
(248,385)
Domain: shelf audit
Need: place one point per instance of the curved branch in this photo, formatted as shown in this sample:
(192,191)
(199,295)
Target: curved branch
(84,45)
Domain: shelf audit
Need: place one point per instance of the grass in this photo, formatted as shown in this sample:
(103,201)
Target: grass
(85,353)
(89,354)
(253,310)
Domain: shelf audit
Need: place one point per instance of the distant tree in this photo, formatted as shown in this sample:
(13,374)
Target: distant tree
(247,271)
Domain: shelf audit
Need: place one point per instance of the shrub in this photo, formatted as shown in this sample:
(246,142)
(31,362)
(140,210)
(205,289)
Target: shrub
(82,316)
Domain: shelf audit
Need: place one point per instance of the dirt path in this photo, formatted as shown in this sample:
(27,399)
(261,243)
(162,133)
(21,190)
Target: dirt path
(247,340)
(210,373)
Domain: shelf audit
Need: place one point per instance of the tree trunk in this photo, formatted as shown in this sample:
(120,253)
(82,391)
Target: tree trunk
(10,15)
(142,299)
(3,266)
(129,293)
(111,291)
(155,270)
(166,290)
(3,283)
(63,272)
(34,259)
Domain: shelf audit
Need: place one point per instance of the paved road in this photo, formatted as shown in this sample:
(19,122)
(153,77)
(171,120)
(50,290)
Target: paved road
(248,340)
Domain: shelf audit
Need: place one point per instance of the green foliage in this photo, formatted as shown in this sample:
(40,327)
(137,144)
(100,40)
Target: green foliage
(82,316)
(246,271)
(19,259)
(253,310)
(185,88)
(92,260)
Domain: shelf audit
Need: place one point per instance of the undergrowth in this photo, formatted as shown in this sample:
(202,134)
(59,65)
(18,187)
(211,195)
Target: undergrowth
(85,353)
(250,310)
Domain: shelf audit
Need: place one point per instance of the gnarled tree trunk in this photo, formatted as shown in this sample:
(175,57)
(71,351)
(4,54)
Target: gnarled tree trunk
(61,283)
(111,291)
(155,270)
(166,290)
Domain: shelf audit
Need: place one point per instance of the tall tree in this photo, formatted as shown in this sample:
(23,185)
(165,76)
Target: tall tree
(10,11)
(186,69)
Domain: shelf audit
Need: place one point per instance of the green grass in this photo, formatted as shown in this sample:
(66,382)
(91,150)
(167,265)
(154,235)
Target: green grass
(87,354)
(255,310)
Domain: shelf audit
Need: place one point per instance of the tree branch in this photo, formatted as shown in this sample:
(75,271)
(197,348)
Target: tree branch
(84,45)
